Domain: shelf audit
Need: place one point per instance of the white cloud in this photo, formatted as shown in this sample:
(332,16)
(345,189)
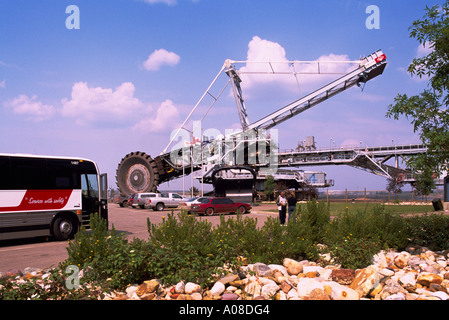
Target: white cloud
(166,117)
(31,108)
(351,143)
(160,58)
(167,2)
(3,83)
(424,49)
(100,104)
(261,50)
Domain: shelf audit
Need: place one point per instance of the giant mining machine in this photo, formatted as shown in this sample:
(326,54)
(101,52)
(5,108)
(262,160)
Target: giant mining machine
(251,152)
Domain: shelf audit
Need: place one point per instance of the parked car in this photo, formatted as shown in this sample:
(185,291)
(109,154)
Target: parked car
(186,205)
(211,206)
(160,201)
(130,201)
(122,200)
(139,199)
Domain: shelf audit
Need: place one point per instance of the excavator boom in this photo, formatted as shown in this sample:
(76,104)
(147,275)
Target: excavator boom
(139,172)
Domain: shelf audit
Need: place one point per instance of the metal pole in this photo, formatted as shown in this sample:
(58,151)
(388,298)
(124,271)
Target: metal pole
(193,110)
(202,165)
(183,174)
(191,168)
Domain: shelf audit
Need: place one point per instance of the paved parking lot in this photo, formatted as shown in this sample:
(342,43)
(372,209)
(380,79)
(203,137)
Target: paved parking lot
(43,253)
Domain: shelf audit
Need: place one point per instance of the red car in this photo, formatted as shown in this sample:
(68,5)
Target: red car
(211,206)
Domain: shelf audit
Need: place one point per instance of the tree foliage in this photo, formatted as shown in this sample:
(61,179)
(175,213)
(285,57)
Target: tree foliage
(394,185)
(424,183)
(269,186)
(428,111)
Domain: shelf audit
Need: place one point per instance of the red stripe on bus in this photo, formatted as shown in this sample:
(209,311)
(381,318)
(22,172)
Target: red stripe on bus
(42,200)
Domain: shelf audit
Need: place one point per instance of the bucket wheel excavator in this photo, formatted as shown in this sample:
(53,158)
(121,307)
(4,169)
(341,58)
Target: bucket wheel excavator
(139,172)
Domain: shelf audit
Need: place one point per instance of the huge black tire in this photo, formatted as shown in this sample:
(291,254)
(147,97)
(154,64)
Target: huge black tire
(137,173)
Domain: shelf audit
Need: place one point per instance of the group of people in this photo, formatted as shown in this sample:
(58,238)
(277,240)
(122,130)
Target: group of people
(282,202)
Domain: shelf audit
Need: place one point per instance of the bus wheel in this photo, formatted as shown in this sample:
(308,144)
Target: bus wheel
(65,227)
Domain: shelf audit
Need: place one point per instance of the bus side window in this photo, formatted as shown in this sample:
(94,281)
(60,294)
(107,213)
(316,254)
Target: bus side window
(89,185)
(93,185)
(84,187)
(5,174)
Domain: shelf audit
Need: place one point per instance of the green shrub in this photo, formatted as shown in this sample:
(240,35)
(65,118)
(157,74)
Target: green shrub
(354,237)
(184,247)
(236,237)
(277,242)
(87,245)
(107,257)
(182,230)
(429,230)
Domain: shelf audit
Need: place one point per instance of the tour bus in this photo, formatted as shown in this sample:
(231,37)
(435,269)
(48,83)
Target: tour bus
(49,196)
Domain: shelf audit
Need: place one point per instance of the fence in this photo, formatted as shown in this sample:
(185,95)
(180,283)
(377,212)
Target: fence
(380,195)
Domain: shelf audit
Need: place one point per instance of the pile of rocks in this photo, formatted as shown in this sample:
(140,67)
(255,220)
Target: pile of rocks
(415,274)
(409,275)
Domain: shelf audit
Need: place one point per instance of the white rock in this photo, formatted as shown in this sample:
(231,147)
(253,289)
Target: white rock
(196,296)
(423,291)
(287,261)
(269,290)
(442,263)
(386,272)
(341,292)
(326,274)
(380,259)
(266,281)
(231,288)
(440,295)
(130,290)
(396,296)
(408,279)
(293,280)
(282,295)
(217,289)
(306,285)
(280,268)
(191,287)
(253,279)
(253,288)
(317,269)
(293,267)
(293,294)
(180,287)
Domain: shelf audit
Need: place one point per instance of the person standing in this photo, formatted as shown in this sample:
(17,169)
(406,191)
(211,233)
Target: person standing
(282,207)
(291,200)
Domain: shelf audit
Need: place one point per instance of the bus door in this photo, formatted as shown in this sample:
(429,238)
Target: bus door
(90,193)
(103,196)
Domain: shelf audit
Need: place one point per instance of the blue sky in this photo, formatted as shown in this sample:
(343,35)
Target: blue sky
(134,69)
